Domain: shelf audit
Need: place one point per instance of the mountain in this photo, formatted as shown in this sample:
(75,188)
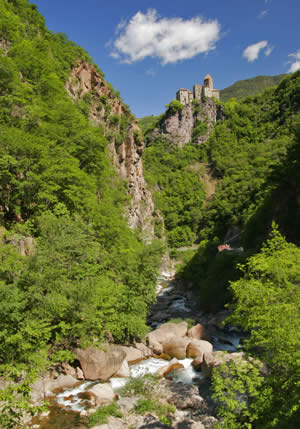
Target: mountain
(252,86)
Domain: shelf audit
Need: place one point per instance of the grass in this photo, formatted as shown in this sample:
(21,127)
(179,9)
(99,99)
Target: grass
(190,322)
(102,414)
(143,385)
(149,405)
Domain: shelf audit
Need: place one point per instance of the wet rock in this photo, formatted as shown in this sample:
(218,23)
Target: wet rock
(46,387)
(102,392)
(218,319)
(124,371)
(196,348)
(196,364)
(176,347)
(98,364)
(198,332)
(165,370)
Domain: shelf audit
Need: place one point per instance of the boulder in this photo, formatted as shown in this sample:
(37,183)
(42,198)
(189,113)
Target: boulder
(196,364)
(98,364)
(132,354)
(79,374)
(103,393)
(213,359)
(45,387)
(198,332)
(146,352)
(218,319)
(176,347)
(128,403)
(165,332)
(197,347)
(124,371)
(68,370)
(166,369)
(182,395)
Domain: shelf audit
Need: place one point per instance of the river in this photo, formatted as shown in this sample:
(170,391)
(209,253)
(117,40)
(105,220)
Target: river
(67,409)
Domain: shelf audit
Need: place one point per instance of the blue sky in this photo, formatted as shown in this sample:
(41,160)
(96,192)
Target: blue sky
(149,49)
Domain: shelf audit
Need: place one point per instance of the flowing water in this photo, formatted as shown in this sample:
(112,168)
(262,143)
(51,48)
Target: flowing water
(65,409)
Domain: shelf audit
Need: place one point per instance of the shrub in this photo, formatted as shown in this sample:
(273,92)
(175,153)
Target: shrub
(143,385)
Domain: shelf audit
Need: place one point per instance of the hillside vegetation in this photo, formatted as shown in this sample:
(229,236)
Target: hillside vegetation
(72,273)
(252,86)
(87,273)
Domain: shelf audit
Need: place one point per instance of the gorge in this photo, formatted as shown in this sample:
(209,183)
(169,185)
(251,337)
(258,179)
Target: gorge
(122,244)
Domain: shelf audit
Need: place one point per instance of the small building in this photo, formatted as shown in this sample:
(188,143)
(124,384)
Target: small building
(200,92)
(185,96)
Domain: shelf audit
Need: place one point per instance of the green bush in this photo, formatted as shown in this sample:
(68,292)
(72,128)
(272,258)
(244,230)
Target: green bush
(143,385)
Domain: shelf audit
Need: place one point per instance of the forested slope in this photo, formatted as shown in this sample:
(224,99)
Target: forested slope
(86,274)
(252,86)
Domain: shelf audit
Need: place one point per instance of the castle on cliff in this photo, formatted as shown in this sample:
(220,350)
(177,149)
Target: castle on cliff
(185,96)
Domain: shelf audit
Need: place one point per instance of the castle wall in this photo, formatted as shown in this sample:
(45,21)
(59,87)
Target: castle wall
(197,90)
(184,96)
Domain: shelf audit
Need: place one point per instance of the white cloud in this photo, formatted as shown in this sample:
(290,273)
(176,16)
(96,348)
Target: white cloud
(169,39)
(295,65)
(263,13)
(252,52)
(268,51)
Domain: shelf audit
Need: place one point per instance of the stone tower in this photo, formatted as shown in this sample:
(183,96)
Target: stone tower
(208,81)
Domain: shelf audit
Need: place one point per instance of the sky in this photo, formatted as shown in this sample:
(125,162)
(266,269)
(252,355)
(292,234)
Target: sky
(150,49)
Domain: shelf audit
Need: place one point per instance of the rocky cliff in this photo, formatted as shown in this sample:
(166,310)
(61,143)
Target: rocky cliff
(192,123)
(125,139)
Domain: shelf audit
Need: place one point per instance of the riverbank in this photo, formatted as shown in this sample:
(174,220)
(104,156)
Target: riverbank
(179,383)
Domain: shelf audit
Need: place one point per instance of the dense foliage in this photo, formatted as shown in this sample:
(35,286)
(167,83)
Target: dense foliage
(252,86)
(267,304)
(87,273)
(178,191)
(147,121)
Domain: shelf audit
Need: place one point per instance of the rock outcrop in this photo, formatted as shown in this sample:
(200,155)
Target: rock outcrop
(125,139)
(178,128)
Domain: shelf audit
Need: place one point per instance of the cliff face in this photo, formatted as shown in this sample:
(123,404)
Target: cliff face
(181,127)
(124,136)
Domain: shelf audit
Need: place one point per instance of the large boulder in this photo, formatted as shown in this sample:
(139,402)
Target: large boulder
(213,359)
(132,354)
(176,347)
(196,348)
(165,332)
(103,393)
(98,364)
(198,332)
